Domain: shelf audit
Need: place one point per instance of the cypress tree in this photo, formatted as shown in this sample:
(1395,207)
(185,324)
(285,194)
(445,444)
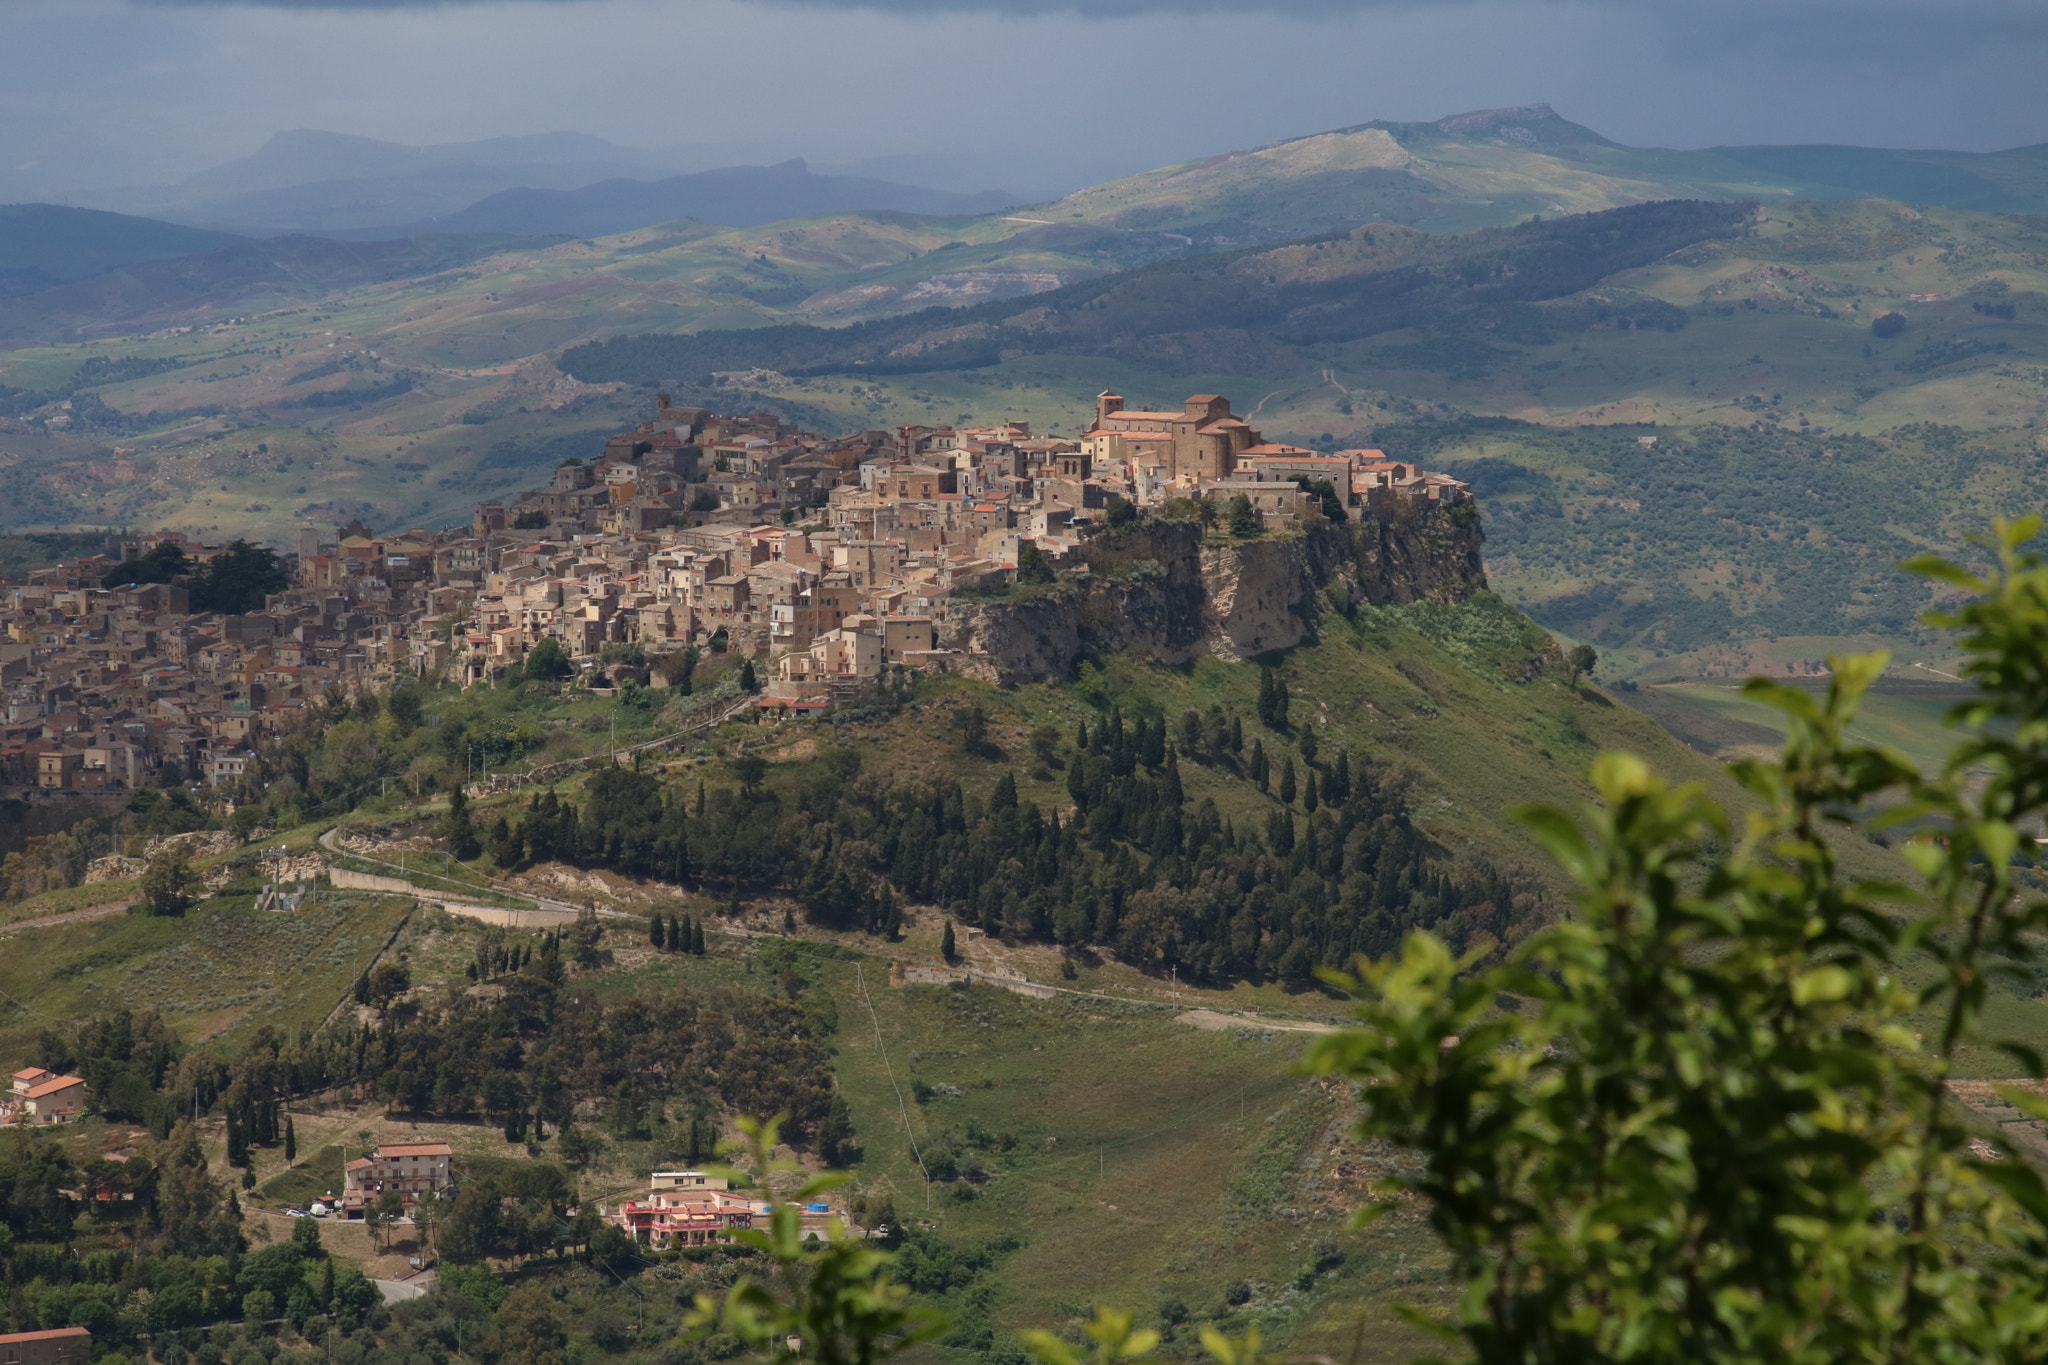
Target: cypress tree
(456,829)
(1152,748)
(697,937)
(1287,780)
(1309,799)
(947,948)
(679,936)
(657,931)
(1339,788)
(291,1141)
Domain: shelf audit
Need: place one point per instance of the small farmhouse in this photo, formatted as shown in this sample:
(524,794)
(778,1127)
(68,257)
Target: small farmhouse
(414,1169)
(40,1096)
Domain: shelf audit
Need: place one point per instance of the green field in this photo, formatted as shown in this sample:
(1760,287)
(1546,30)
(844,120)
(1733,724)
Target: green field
(1901,712)
(218,970)
(1139,1181)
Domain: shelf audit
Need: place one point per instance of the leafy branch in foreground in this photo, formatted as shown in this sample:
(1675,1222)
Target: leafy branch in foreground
(1699,1121)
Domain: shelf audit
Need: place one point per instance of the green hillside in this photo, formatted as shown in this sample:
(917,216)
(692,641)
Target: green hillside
(1501,166)
(1018,1140)
(46,245)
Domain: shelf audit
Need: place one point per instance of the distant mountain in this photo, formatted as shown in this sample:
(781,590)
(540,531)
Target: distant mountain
(736,196)
(313,181)
(44,245)
(1497,166)
(306,155)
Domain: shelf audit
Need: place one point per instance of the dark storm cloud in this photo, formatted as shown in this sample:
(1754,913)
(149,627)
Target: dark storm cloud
(1846,19)
(1788,32)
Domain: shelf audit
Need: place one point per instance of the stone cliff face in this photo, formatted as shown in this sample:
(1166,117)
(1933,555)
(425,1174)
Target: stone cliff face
(1158,587)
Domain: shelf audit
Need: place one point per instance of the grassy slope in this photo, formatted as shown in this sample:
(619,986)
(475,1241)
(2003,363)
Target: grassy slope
(220,969)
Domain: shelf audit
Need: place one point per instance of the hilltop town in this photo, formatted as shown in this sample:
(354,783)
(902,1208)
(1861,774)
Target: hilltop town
(827,560)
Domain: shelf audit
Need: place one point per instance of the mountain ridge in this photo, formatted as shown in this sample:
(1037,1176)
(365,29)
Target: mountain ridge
(731,196)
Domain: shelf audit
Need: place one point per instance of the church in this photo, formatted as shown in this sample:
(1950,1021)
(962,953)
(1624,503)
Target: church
(1201,441)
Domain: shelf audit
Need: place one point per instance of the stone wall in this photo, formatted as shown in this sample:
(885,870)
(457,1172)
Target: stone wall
(351,880)
(1159,586)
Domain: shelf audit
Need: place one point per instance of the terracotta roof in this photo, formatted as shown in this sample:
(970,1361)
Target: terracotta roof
(52,1087)
(414,1149)
(55,1333)
(30,1072)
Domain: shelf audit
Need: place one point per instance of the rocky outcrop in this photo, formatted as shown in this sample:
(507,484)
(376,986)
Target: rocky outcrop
(1159,587)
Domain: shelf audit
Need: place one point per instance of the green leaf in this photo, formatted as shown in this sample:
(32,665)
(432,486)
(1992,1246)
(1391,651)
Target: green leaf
(2021,1182)
(1561,835)
(1934,566)
(2025,1101)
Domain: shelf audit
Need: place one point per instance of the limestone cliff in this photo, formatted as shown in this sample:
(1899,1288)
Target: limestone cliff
(1158,586)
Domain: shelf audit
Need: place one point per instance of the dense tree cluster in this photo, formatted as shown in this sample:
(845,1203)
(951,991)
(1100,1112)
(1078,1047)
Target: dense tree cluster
(530,1049)
(1334,867)
(235,581)
(123,1248)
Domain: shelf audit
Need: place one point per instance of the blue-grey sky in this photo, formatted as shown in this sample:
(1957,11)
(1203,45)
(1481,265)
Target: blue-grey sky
(100,92)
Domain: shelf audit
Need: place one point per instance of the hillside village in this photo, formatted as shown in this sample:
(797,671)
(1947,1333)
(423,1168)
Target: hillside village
(827,559)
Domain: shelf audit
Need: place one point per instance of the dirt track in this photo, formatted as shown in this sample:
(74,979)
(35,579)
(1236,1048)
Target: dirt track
(68,917)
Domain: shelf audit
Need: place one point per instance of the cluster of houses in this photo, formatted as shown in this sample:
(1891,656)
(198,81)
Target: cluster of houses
(695,1208)
(40,1097)
(832,557)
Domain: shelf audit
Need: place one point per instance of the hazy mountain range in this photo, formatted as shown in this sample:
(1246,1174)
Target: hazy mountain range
(336,184)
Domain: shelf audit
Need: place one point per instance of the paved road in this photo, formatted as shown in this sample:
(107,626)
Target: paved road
(411,1287)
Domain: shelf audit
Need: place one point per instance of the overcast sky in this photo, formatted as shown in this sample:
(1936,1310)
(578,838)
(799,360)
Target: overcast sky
(128,91)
